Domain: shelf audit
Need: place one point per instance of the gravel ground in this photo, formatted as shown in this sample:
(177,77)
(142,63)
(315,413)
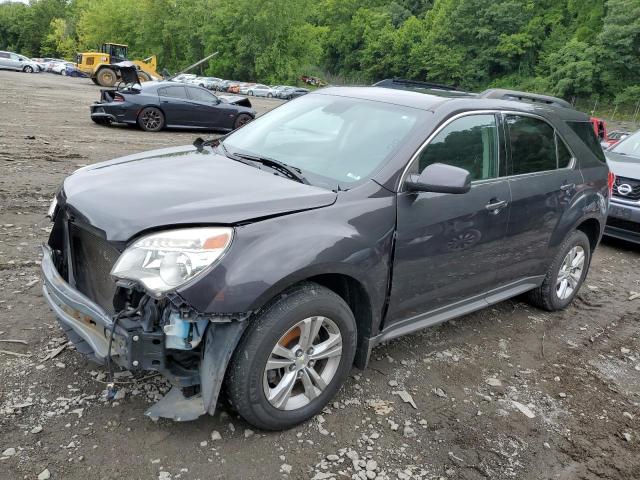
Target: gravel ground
(508,392)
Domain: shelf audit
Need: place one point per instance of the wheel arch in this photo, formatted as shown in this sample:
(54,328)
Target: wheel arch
(592,228)
(353,291)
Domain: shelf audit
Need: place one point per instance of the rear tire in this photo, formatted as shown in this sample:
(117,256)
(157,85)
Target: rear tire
(565,274)
(241,120)
(307,379)
(106,77)
(151,119)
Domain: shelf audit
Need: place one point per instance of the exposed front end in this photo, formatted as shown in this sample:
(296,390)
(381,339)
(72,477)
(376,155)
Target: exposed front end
(117,321)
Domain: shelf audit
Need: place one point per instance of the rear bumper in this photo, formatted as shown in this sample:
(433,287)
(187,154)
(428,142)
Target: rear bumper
(106,111)
(103,116)
(74,309)
(623,221)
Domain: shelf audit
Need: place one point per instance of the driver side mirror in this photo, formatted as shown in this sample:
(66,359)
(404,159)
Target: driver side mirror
(20,60)
(440,178)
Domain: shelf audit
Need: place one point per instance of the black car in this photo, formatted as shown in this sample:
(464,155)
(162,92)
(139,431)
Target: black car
(156,105)
(624,212)
(269,262)
(289,93)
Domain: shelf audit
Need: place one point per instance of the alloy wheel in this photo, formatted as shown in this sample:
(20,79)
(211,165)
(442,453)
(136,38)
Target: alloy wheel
(151,119)
(570,272)
(302,363)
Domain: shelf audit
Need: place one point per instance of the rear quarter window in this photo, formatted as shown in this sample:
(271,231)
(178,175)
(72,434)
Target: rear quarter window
(584,130)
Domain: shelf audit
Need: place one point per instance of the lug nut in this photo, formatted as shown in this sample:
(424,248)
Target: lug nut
(299,353)
(292,367)
(312,363)
(136,338)
(300,374)
(310,351)
(136,363)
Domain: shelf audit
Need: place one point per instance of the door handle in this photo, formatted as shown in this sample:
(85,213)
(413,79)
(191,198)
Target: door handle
(567,186)
(494,206)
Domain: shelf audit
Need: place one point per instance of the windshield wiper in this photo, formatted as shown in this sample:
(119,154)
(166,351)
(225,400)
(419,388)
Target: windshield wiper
(292,172)
(232,156)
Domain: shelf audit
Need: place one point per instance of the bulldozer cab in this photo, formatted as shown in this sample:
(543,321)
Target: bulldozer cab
(117,52)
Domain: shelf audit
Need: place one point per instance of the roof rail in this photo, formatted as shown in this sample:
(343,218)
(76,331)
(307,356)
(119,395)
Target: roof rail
(403,83)
(500,93)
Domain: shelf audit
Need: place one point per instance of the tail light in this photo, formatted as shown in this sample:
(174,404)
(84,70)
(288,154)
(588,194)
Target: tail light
(118,98)
(611,180)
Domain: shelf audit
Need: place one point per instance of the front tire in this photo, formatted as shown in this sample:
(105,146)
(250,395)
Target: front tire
(293,359)
(565,274)
(28,69)
(241,120)
(151,119)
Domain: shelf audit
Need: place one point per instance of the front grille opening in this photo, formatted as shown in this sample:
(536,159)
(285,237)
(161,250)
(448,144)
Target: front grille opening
(93,257)
(634,194)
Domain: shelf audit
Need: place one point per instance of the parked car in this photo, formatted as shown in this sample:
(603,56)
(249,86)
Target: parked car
(282,92)
(276,89)
(20,63)
(222,85)
(291,93)
(615,137)
(184,78)
(71,70)
(55,66)
(624,212)
(260,90)
(207,82)
(273,259)
(156,105)
(244,87)
(61,67)
(233,87)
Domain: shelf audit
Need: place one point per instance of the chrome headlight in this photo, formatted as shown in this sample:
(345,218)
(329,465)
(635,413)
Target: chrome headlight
(166,260)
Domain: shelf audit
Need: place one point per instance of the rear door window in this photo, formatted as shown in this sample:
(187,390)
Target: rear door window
(173,92)
(584,130)
(532,144)
(470,142)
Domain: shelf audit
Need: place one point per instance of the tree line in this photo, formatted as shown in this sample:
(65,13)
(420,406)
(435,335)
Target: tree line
(570,48)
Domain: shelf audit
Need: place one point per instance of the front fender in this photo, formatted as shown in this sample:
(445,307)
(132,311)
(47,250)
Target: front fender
(351,237)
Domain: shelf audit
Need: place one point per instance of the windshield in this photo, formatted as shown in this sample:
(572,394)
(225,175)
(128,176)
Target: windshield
(629,146)
(332,140)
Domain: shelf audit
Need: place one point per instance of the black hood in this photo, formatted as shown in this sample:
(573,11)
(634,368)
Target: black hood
(624,165)
(182,185)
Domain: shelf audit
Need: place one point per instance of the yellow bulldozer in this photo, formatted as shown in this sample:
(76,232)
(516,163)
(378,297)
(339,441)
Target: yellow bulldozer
(102,67)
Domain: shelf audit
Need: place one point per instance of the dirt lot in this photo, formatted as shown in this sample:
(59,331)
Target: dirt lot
(508,392)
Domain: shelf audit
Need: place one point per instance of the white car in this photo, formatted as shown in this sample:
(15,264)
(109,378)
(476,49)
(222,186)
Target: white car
(61,67)
(260,90)
(185,78)
(20,63)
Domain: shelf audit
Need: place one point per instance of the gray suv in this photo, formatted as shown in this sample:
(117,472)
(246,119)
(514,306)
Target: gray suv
(268,262)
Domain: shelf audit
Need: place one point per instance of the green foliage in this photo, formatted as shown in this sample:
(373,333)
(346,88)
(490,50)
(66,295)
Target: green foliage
(572,48)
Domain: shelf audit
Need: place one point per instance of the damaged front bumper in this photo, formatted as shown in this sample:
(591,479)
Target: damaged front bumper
(133,348)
